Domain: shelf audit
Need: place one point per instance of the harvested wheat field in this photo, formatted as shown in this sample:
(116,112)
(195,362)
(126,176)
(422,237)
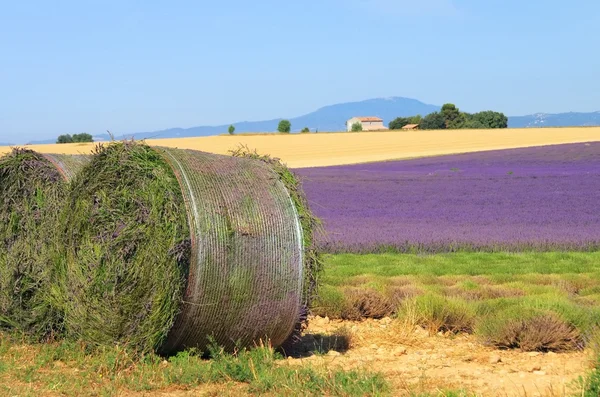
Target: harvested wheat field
(323,149)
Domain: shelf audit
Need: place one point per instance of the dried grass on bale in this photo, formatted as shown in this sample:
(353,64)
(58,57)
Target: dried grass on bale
(32,189)
(168,247)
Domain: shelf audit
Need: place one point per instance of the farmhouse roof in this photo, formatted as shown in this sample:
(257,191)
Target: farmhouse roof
(410,126)
(369,118)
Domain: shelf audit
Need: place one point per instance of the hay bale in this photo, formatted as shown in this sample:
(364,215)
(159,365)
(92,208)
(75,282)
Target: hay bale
(32,188)
(167,247)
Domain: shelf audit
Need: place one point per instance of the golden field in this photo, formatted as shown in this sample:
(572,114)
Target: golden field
(323,149)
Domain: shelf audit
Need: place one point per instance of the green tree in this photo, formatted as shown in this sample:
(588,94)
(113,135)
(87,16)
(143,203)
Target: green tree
(433,121)
(459,121)
(66,138)
(83,137)
(474,124)
(491,119)
(231,130)
(450,113)
(398,123)
(356,127)
(305,130)
(284,126)
(415,119)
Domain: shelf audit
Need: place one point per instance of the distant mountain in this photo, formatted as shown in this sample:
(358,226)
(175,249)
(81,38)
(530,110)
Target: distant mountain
(328,118)
(333,118)
(571,119)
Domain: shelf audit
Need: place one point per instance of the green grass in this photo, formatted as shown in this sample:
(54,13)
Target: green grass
(75,369)
(383,266)
(502,297)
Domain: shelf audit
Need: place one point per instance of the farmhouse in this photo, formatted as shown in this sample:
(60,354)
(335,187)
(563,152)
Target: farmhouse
(368,123)
(411,127)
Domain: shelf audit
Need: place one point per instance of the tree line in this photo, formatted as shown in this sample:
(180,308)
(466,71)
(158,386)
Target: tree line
(75,138)
(450,117)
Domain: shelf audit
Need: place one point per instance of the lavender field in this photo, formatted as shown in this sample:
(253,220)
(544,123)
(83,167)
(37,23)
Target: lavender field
(542,198)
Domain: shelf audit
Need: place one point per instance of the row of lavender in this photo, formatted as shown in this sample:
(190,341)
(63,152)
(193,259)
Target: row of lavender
(542,198)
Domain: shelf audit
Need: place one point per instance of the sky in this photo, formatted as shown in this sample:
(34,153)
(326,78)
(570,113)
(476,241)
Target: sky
(71,66)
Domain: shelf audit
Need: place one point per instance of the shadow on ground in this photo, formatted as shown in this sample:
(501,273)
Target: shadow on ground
(311,344)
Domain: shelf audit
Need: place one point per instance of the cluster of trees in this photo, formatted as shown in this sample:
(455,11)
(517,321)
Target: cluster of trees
(284,127)
(75,138)
(450,117)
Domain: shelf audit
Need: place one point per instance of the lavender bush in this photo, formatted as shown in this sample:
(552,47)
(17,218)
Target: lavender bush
(542,198)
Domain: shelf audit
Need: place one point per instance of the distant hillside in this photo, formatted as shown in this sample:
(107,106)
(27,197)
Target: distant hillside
(328,118)
(571,119)
(333,118)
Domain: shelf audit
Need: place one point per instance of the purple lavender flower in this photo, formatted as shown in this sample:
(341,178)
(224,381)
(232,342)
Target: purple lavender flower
(540,198)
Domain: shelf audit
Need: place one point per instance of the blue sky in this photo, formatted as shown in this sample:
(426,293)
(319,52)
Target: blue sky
(70,66)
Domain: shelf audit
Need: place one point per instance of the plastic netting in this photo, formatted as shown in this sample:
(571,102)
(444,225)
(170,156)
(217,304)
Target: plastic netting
(245,278)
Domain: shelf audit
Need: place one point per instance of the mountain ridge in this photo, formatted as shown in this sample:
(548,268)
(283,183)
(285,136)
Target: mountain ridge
(333,118)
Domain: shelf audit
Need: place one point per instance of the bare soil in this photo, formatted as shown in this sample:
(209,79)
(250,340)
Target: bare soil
(415,362)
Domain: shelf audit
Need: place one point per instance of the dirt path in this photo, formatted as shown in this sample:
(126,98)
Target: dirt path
(413,361)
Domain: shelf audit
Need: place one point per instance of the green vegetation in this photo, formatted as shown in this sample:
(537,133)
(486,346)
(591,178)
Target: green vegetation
(400,122)
(356,127)
(305,130)
(231,130)
(31,193)
(50,368)
(76,138)
(532,301)
(450,117)
(284,126)
(127,241)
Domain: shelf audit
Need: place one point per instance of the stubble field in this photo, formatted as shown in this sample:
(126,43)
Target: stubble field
(325,149)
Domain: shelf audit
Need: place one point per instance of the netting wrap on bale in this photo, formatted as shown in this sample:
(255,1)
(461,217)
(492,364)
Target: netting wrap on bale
(169,247)
(32,188)
(246,274)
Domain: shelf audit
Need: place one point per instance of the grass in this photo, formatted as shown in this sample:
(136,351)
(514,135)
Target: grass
(530,301)
(75,369)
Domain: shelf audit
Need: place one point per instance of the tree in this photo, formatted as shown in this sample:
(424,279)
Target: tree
(415,119)
(491,119)
(305,130)
(356,127)
(459,121)
(398,123)
(284,126)
(66,138)
(474,124)
(83,137)
(450,113)
(433,121)
(231,129)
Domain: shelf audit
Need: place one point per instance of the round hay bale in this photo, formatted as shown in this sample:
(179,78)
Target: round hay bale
(169,247)
(32,189)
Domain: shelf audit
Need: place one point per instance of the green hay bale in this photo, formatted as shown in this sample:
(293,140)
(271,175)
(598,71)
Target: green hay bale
(167,247)
(32,189)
